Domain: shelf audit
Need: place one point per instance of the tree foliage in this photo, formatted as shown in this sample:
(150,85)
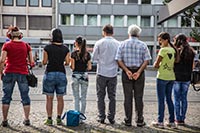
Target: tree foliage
(191,13)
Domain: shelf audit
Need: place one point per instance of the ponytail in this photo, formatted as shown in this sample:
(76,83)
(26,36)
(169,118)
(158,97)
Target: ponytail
(82,46)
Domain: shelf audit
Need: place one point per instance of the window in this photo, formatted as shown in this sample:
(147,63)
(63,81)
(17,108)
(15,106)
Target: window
(132,20)
(146,1)
(172,22)
(198,19)
(105,19)
(119,1)
(65,0)
(21,2)
(158,2)
(33,2)
(7,21)
(92,20)
(65,19)
(92,1)
(8,2)
(21,22)
(46,3)
(132,1)
(78,19)
(105,1)
(119,21)
(185,22)
(40,23)
(145,21)
(79,1)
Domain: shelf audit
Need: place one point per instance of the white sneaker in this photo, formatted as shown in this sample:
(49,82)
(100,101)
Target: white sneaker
(157,124)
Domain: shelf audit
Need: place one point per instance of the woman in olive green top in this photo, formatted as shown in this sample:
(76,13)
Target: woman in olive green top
(165,79)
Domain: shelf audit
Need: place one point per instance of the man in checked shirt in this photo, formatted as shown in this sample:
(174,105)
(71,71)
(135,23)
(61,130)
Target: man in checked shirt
(133,56)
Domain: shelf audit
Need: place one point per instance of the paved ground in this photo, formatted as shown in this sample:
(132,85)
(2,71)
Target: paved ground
(38,113)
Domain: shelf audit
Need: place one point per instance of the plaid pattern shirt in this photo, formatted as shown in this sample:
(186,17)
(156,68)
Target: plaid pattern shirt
(133,52)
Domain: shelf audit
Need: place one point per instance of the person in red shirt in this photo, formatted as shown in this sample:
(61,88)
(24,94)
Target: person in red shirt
(13,68)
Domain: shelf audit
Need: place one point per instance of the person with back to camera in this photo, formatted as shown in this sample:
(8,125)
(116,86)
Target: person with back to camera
(133,57)
(165,60)
(14,55)
(183,70)
(80,63)
(55,56)
(104,53)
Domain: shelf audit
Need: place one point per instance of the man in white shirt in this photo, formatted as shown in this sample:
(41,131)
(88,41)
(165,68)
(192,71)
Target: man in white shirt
(104,54)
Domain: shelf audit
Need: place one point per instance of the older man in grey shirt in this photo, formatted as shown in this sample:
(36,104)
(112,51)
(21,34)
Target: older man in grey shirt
(104,54)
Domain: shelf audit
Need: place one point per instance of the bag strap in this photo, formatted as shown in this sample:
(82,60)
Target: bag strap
(82,116)
(64,115)
(195,88)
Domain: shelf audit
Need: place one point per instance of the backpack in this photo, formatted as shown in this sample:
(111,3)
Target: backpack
(73,117)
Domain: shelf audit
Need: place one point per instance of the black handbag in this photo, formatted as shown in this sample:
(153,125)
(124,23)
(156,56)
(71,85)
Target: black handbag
(31,78)
(195,79)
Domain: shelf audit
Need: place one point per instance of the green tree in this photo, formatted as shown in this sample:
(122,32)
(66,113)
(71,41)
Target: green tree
(191,13)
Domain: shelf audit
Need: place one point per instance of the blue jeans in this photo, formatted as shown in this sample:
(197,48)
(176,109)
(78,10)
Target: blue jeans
(9,81)
(54,82)
(164,90)
(180,99)
(80,79)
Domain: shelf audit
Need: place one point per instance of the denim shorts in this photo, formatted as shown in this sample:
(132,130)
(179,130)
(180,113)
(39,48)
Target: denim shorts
(9,81)
(54,82)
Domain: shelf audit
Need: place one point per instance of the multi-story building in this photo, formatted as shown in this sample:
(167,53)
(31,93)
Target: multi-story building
(35,18)
(86,18)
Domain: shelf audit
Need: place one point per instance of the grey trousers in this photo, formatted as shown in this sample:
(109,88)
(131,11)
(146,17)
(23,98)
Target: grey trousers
(133,88)
(104,84)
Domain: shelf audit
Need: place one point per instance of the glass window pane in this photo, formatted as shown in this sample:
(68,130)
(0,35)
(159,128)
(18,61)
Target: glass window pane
(21,22)
(158,1)
(106,1)
(133,1)
(92,1)
(21,3)
(33,2)
(132,20)
(7,2)
(119,1)
(105,19)
(172,22)
(145,21)
(119,21)
(79,1)
(78,19)
(47,3)
(146,1)
(65,0)
(7,21)
(40,23)
(65,19)
(92,20)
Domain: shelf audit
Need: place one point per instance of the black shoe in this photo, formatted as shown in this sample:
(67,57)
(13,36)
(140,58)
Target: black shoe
(101,121)
(4,123)
(126,124)
(26,122)
(111,121)
(141,124)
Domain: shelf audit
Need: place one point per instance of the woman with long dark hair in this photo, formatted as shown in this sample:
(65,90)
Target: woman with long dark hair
(55,56)
(80,64)
(165,79)
(183,70)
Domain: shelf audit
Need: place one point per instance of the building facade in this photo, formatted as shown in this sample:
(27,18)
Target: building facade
(86,17)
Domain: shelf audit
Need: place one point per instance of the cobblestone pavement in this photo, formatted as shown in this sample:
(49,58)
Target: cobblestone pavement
(38,112)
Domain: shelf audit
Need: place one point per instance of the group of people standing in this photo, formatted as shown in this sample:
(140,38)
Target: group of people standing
(174,63)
